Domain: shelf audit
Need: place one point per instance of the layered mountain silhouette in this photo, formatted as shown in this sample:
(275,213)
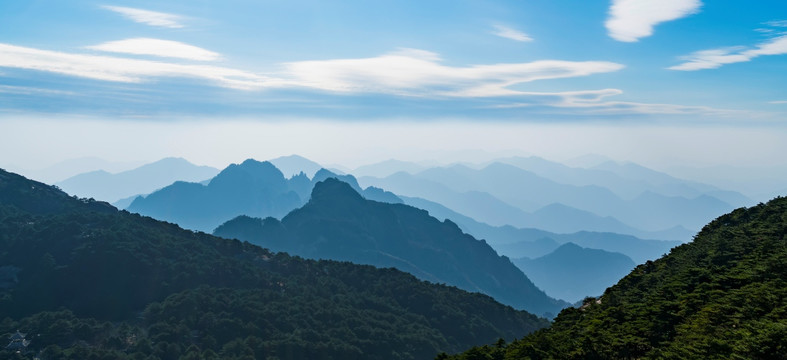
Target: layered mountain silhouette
(627,180)
(105,186)
(648,214)
(250,188)
(94,282)
(253,188)
(572,272)
(338,223)
(387,167)
(718,297)
(528,242)
(292,165)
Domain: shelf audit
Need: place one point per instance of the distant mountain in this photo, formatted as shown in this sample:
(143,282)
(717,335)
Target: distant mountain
(532,243)
(572,272)
(71,167)
(478,205)
(253,188)
(566,219)
(105,186)
(86,281)
(386,168)
(295,164)
(649,212)
(615,178)
(718,297)
(125,202)
(339,224)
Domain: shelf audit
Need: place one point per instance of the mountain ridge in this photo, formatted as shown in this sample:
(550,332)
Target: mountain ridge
(338,223)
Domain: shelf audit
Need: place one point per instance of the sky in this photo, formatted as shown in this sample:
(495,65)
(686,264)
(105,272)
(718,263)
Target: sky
(669,83)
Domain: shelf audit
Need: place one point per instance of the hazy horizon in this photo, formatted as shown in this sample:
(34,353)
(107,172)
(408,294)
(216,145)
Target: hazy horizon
(676,87)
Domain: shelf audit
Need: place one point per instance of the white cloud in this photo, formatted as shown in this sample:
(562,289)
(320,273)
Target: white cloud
(778,102)
(419,73)
(152,18)
(630,20)
(27,90)
(109,68)
(777,23)
(714,58)
(510,33)
(594,102)
(157,47)
(407,72)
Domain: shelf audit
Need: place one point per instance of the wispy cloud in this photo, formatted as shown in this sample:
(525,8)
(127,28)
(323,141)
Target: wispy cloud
(630,20)
(595,102)
(152,18)
(778,102)
(510,33)
(414,72)
(715,58)
(27,90)
(157,47)
(118,69)
(407,72)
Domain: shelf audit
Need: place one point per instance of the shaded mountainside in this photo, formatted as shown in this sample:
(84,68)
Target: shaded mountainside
(723,296)
(339,224)
(94,282)
(572,272)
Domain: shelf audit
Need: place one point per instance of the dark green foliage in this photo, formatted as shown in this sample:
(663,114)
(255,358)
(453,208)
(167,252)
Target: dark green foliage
(723,296)
(86,281)
(340,224)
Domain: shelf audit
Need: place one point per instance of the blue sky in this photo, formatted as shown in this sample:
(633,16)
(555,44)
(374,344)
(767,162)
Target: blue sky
(520,60)
(642,63)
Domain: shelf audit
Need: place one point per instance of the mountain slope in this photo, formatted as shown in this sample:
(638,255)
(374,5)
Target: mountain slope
(722,296)
(94,282)
(527,242)
(340,224)
(292,165)
(252,187)
(572,272)
(145,179)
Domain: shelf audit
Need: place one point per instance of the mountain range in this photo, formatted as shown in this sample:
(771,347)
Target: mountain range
(531,243)
(339,224)
(252,188)
(528,192)
(111,187)
(94,282)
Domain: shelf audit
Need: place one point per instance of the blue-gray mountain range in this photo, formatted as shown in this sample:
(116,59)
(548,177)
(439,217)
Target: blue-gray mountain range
(251,188)
(525,199)
(111,187)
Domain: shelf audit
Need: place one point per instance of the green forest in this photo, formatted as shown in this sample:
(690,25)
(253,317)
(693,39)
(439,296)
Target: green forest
(722,296)
(83,280)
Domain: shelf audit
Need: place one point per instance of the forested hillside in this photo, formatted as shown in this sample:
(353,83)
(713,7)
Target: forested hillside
(84,280)
(723,296)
